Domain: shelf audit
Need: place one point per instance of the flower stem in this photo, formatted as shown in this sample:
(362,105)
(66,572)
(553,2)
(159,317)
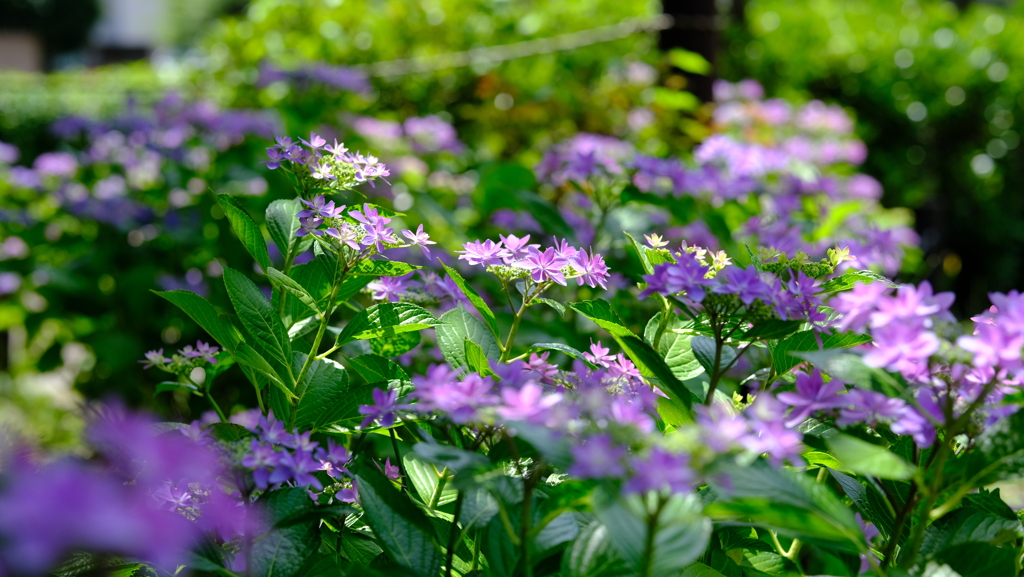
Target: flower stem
(398,457)
(453,534)
(300,385)
(507,349)
(442,480)
(647,563)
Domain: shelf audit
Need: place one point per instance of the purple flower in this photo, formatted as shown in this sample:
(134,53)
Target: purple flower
(857,306)
(775,440)
(275,157)
(540,365)
(910,303)
(56,164)
(419,238)
(869,407)
(377,234)
(526,403)
(591,268)
(483,253)
(369,216)
(301,442)
(389,288)
(744,283)
(319,208)
(262,458)
(297,467)
(383,408)
(544,266)
(459,399)
(598,355)
(321,171)
(597,457)
(155,359)
(564,250)
(812,394)
(661,471)
(516,248)
(315,142)
(310,224)
(202,350)
(902,346)
(685,275)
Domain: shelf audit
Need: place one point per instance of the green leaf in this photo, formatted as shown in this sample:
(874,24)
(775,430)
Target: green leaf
(641,253)
(787,502)
(326,399)
(286,283)
(474,298)
(386,319)
(562,348)
(700,570)
(249,357)
(171,386)
(771,329)
(868,459)
(259,319)
(680,533)
(395,345)
(560,530)
(456,326)
(202,312)
(650,364)
(476,360)
(559,307)
(872,504)
(689,61)
(282,224)
(968,525)
(675,99)
(247,230)
(599,311)
(990,502)
(592,554)
(979,559)
(848,280)
(402,528)
(282,551)
(805,341)
(674,347)
(704,351)
(997,455)
(375,369)
(424,478)
(377,268)
(229,432)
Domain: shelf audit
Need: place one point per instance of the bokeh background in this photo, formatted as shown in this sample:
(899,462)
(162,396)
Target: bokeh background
(936,88)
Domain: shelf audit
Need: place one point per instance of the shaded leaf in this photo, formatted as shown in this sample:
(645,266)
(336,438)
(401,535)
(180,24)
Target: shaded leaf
(403,529)
(474,298)
(386,319)
(246,229)
(456,326)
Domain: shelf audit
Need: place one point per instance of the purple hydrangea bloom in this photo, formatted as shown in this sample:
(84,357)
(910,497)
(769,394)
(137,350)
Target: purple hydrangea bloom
(419,238)
(745,283)
(309,225)
(661,471)
(811,394)
(902,346)
(526,403)
(377,234)
(201,350)
(320,208)
(383,408)
(516,248)
(154,359)
(858,305)
(592,269)
(484,253)
(911,304)
(544,266)
(869,407)
(597,457)
(685,275)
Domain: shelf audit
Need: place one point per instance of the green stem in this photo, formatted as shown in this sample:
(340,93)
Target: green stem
(398,456)
(647,563)
(442,480)
(666,316)
(524,529)
(507,349)
(476,552)
(288,259)
(453,534)
(776,543)
(209,397)
(300,385)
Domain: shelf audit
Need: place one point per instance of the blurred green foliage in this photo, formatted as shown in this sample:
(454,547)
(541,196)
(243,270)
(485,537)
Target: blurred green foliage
(553,95)
(937,92)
